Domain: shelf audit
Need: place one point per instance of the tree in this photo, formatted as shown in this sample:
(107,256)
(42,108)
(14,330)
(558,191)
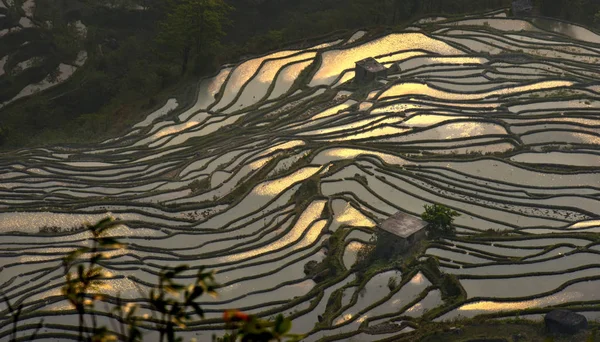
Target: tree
(3,134)
(440,219)
(193,27)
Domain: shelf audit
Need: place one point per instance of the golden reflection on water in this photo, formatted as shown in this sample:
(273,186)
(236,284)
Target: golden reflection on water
(288,75)
(242,74)
(312,235)
(587,138)
(409,88)
(585,224)
(175,129)
(415,307)
(459,60)
(505,306)
(362,318)
(417,89)
(269,70)
(217,82)
(418,279)
(372,94)
(310,215)
(365,106)
(259,163)
(351,153)
(291,72)
(274,187)
(336,61)
(355,246)
(429,120)
(333,110)
(284,146)
(377,132)
(344,318)
(353,217)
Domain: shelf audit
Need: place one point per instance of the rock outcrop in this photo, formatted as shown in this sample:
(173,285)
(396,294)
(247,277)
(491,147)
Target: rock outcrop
(565,322)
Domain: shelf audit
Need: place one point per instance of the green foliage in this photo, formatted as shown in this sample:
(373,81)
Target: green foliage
(128,320)
(66,39)
(440,219)
(392,283)
(331,265)
(3,134)
(252,328)
(198,185)
(308,190)
(581,11)
(82,287)
(364,255)
(15,314)
(193,28)
(450,286)
(592,336)
(271,40)
(173,300)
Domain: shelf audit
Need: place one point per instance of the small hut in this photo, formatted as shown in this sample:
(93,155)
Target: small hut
(368,69)
(400,231)
(522,8)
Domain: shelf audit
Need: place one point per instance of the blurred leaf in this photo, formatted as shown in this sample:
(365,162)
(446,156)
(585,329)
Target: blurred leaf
(198,309)
(75,254)
(282,325)
(10,308)
(95,258)
(180,268)
(109,242)
(80,271)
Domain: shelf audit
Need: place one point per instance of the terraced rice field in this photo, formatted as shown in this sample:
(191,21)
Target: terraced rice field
(496,118)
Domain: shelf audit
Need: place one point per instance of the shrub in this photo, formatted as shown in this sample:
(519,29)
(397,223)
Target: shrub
(198,186)
(392,283)
(175,303)
(440,219)
(450,286)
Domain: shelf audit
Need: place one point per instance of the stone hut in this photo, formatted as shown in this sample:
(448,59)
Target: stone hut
(368,69)
(400,231)
(522,7)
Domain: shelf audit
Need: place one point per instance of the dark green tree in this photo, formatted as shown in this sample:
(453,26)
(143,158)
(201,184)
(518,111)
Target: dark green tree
(440,219)
(193,28)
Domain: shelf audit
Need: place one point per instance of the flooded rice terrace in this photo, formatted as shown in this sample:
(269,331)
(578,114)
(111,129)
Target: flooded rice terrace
(494,117)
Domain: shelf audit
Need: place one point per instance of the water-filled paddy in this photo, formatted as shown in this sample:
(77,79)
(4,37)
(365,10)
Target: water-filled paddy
(268,161)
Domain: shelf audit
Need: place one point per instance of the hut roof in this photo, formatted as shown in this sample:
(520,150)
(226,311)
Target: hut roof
(402,224)
(370,64)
